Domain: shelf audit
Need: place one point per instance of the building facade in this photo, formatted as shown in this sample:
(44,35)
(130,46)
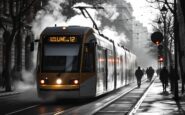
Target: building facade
(21,57)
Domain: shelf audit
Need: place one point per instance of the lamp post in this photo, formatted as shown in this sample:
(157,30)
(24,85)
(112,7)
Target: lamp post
(164,12)
(176,41)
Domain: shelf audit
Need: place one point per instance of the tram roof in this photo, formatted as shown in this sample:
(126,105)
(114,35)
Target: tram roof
(68,30)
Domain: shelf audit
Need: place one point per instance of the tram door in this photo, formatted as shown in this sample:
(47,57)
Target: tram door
(106,70)
(102,69)
(121,62)
(126,69)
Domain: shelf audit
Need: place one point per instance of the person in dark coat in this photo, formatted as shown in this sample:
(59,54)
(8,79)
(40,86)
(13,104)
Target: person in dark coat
(147,73)
(150,73)
(164,78)
(139,73)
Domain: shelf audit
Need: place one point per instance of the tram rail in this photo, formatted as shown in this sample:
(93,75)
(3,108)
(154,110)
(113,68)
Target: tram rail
(114,104)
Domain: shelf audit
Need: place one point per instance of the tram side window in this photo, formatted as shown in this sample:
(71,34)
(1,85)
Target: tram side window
(101,65)
(88,58)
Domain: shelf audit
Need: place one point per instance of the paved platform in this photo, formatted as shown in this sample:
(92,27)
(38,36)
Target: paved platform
(158,102)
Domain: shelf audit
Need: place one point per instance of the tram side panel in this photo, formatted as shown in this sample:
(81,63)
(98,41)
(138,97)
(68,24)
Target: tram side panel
(119,70)
(130,68)
(110,66)
(133,67)
(88,75)
(129,77)
(124,68)
(119,67)
(105,66)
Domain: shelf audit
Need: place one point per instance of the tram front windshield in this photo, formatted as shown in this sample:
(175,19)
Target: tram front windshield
(61,57)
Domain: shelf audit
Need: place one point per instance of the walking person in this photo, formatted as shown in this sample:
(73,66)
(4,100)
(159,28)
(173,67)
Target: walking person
(150,73)
(147,69)
(164,78)
(139,73)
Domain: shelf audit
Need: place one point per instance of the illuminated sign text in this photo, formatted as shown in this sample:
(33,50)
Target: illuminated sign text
(64,39)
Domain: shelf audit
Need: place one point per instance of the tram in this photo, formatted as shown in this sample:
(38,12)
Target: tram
(77,62)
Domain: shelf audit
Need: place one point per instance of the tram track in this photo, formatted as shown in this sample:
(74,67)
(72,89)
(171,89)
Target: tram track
(136,106)
(128,103)
(114,104)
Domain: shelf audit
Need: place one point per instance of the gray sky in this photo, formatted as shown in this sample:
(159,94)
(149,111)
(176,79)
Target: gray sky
(144,12)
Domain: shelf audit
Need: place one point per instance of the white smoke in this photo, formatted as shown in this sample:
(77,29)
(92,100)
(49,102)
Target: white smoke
(118,38)
(109,14)
(52,14)
(27,82)
(80,20)
(48,16)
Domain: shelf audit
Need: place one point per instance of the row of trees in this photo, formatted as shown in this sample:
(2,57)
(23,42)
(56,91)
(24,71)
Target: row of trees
(170,27)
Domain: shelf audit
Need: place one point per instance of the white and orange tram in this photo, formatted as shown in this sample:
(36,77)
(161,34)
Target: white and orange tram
(75,62)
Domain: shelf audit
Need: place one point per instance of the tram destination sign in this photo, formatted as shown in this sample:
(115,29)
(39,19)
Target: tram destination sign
(63,39)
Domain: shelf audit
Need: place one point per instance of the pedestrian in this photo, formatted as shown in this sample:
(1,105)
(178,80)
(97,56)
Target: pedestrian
(150,73)
(164,78)
(147,73)
(139,73)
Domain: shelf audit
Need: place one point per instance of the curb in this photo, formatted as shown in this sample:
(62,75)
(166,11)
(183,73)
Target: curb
(8,93)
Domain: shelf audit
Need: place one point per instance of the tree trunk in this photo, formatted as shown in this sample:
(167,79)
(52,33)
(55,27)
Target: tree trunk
(181,62)
(7,69)
(7,39)
(6,61)
(28,54)
(18,57)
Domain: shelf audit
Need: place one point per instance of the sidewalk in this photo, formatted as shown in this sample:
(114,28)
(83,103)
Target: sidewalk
(158,103)
(3,93)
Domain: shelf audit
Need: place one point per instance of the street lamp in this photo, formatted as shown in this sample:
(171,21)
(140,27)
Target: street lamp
(164,13)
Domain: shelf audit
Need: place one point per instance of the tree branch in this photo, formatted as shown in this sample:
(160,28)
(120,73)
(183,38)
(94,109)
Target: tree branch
(26,9)
(11,8)
(169,7)
(1,25)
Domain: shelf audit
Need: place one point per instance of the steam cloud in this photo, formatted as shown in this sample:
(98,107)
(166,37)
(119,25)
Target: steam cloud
(48,16)
(27,82)
(52,14)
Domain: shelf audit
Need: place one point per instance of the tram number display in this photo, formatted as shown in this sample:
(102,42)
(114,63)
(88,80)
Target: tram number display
(63,39)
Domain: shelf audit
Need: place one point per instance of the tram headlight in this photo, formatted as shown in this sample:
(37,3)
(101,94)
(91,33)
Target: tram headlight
(42,81)
(59,81)
(75,81)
